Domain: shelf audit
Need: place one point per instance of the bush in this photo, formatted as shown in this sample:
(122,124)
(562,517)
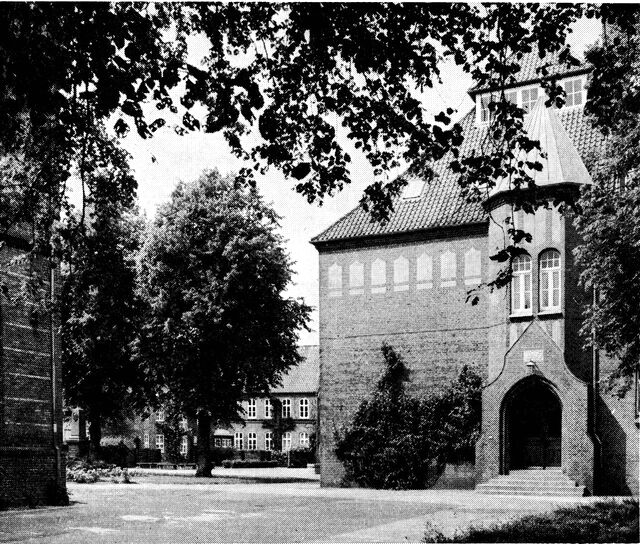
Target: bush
(397,441)
(149,455)
(239,463)
(599,522)
(117,454)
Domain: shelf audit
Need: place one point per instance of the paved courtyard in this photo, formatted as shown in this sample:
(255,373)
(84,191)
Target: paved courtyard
(172,509)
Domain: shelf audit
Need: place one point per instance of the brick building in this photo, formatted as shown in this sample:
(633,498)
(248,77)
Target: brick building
(297,398)
(32,464)
(406,283)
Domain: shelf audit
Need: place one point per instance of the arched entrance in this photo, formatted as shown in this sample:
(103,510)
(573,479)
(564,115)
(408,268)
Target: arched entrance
(532,417)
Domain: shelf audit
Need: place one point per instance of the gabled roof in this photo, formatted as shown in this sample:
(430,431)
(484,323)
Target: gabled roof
(561,163)
(441,204)
(305,377)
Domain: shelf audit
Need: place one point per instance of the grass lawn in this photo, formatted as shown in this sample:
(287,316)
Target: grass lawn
(599,522)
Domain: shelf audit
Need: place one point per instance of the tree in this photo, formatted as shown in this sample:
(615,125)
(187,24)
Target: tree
(281,69)
(100,310)
(214,271)
(610,220)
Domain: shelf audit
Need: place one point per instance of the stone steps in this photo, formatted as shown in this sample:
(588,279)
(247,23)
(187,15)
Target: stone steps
(551,482)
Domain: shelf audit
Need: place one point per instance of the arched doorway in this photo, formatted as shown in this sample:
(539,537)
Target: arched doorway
(532,418)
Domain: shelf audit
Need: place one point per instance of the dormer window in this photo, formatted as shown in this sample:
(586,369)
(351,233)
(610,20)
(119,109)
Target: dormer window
(529,98)
(413,188)
(573,89)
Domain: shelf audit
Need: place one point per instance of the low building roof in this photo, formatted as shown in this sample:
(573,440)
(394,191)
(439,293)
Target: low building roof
(303,378)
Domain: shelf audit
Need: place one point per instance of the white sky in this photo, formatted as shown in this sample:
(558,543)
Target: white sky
(185,157)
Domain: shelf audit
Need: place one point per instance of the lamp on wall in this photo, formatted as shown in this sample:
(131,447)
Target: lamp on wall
(531,367)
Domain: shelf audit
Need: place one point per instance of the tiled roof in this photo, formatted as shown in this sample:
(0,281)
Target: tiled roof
(305,377)
(441,203)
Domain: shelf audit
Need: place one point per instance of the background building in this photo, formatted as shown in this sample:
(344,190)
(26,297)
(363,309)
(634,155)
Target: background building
(406,282)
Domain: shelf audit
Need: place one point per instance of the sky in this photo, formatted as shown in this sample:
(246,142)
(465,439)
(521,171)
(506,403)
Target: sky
(184,158)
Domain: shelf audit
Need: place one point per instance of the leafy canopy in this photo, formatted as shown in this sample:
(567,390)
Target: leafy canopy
(214,271)
(275,79)
(610,221)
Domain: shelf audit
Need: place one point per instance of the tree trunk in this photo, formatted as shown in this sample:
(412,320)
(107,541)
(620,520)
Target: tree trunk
(204,445)
(95,434)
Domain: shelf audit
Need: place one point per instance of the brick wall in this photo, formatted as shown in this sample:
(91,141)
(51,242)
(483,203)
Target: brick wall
(426,319)
(32,465)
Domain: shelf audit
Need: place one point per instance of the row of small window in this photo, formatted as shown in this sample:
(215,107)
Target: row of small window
(527,97)
(549,282)
(159,442)
(160,418)
(252,441)
(401,273)
(303,408)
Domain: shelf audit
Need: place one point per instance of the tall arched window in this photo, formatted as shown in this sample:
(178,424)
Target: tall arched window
(550,280)
(521,285)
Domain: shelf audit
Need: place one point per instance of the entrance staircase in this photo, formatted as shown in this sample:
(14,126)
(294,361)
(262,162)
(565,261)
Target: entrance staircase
(551,482)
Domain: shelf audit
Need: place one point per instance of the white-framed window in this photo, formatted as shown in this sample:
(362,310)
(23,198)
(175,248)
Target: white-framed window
(286,407)
(472,266)
(146,441)
(160,442)
(160,416)
(184,445)
(268,441)
(268,409)
(521,285)
(378,276)
(550,280)
(238,441)
(303,408)
(424,272)
(356,278)
(335,280)
(252,408)
(184,423)
(304,440)
(529,98)
(252,441)
(574,92)
(286,441)
(401,274)
(448,269)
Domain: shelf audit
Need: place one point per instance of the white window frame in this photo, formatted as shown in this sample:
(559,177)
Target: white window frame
(252,441)
(238,440)
(570,102)
(303,408)
(303,439)
(160,442)
(252,409)
(378,276)
(521,285)
(268,409)
(286,441)
(146,441)
(448,268)
(160,416)
(184,423)
(268,441)
(550,273)
(532,103)
(286,408)
(184,445)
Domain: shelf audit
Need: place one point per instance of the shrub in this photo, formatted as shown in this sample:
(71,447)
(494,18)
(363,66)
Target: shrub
(599,522)
(85,472)
(397,441)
